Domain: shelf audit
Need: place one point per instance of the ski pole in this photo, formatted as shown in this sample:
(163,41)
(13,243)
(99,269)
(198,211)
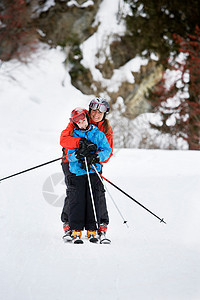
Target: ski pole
(125,222)
(161,220)
(91,193)
(30,169)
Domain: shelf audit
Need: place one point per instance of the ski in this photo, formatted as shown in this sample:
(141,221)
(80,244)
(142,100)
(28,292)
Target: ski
(67,237)
(103,239)
(100,239)
(77,240)
(93,239)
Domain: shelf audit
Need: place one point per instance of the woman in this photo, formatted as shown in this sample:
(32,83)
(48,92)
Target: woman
(98,109)
(81,210)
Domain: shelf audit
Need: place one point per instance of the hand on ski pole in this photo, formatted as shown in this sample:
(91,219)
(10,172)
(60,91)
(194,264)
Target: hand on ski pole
(93,158)
(85,148)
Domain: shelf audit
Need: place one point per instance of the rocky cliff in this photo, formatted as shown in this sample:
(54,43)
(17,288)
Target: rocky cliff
(71,23)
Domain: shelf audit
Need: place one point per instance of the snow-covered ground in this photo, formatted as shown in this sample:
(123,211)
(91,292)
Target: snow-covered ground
(147,260)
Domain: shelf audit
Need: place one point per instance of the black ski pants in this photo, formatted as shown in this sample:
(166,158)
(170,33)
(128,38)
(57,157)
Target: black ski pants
(103,213)
(81,210)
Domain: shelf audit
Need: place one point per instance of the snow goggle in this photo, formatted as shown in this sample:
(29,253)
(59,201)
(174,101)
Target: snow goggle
(78,117)
(100,106)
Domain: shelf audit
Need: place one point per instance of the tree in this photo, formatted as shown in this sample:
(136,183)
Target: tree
(151,24)
(18,37)
(179,103)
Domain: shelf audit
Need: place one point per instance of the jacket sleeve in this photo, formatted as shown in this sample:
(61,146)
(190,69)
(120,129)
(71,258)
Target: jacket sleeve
(104,149)
(72,157)
(66,140)
(109,137)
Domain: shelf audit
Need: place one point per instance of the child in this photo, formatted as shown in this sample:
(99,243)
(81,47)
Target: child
(98,110)
(96,149)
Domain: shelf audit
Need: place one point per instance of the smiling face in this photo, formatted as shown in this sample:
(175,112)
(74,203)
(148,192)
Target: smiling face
(96,115)
(83,124)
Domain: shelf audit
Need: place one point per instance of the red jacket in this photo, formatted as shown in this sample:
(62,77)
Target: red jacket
(69,142)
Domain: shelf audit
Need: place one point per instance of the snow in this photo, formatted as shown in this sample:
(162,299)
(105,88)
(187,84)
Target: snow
(96,48)
(85,4)
(147,260)
(42,8)
(124,74)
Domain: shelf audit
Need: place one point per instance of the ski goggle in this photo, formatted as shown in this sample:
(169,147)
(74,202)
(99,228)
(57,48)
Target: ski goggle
(100,106)
(78,117)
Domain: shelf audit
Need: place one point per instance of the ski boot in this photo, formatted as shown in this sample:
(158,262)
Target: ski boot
(67,237)
(76,235)
(91,234)
(102,234)
(102,229)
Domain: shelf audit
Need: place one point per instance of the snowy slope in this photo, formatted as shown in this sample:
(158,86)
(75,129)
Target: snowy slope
(148,260)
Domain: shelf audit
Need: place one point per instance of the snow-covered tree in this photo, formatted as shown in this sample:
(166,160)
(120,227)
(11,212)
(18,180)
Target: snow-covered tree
(177,96)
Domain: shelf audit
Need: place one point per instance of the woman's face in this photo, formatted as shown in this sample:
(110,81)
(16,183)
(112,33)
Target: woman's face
(96,115)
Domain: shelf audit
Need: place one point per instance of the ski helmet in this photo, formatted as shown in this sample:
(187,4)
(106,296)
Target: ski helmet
(99,103)
(78,114)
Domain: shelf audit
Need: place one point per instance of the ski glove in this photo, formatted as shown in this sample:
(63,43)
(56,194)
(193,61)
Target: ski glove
(85,148)
(86,144)
(91,159)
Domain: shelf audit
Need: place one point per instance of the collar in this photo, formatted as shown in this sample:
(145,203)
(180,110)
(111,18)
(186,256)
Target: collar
(97,123)
(91,126)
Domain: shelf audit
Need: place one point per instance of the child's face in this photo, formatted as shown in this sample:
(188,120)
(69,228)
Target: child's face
(83,124)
